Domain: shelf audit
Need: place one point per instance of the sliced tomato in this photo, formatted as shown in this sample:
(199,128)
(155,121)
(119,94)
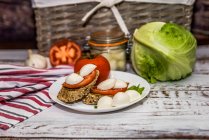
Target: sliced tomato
(87,79)
(107,92)
(64,52)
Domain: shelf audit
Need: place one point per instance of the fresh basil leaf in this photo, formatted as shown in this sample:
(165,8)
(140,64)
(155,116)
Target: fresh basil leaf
(137,88)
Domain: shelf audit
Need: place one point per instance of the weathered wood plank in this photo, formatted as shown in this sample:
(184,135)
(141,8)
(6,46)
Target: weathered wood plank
(202,66)
(202,52)
(172,110)
(112,125)
(195,82)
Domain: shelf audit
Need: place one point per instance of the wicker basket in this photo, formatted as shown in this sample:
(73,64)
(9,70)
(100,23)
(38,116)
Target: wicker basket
(54,23)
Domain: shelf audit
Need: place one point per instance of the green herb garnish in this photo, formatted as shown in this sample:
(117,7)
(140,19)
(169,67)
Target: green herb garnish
(95,107)
(137,88)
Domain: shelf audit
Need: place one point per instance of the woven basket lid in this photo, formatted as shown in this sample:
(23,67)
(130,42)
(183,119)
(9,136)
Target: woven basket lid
(51,3)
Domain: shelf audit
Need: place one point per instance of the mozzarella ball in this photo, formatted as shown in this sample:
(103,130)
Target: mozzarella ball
(87,69)
(105,102)
(120,98)
(107,84)
(73,78)
(120,84)
(134,95)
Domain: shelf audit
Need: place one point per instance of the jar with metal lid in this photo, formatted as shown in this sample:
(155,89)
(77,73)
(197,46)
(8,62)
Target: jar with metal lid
(112,45)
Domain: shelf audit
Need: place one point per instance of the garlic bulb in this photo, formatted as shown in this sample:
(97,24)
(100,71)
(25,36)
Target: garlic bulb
(36,60)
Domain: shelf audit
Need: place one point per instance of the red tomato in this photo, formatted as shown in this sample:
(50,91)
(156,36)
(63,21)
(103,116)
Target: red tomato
(108,92)
(87,79)
(102,65)
(64,52)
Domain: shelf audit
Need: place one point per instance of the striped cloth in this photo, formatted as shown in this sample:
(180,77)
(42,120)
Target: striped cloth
(24,91)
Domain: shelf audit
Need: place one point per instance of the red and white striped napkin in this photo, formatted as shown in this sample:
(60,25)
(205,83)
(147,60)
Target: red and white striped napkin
(24,91)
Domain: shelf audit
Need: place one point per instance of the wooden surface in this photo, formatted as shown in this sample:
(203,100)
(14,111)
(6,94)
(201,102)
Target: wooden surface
(172,110)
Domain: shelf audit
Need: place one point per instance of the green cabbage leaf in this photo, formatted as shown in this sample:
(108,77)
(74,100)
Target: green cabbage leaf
(163,51)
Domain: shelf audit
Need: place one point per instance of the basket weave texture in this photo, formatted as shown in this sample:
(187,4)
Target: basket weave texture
(54,23)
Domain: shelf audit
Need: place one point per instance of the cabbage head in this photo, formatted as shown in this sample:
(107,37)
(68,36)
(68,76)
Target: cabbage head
(163,51)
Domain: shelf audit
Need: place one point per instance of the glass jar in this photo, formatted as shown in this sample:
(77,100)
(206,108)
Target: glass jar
(112,45)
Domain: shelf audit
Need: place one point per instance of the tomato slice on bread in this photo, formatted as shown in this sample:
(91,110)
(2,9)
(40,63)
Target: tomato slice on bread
(109,91)
(87,80)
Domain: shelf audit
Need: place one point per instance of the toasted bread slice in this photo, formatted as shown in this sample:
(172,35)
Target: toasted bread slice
(73,95)
(92,99)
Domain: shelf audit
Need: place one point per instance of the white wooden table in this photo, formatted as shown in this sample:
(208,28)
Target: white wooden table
(172,110)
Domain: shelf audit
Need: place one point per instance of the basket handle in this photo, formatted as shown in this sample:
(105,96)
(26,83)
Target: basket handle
(116,13)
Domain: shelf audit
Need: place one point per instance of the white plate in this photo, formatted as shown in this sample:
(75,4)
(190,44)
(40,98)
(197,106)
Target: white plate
(127,77)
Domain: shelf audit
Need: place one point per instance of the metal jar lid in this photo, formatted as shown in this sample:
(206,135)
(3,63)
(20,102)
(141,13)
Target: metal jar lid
(107,36)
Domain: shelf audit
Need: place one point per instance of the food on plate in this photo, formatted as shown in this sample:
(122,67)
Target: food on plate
(133,95)
(107,84)
(36,60)
(108,87)
(120,98)
(76,87)
(87,69)
(64,52)
(163,51)
(84,82)
(73,79)
(92,98)
(137,88)
(102,65)
(112,92)
(105,102)
(120,84)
